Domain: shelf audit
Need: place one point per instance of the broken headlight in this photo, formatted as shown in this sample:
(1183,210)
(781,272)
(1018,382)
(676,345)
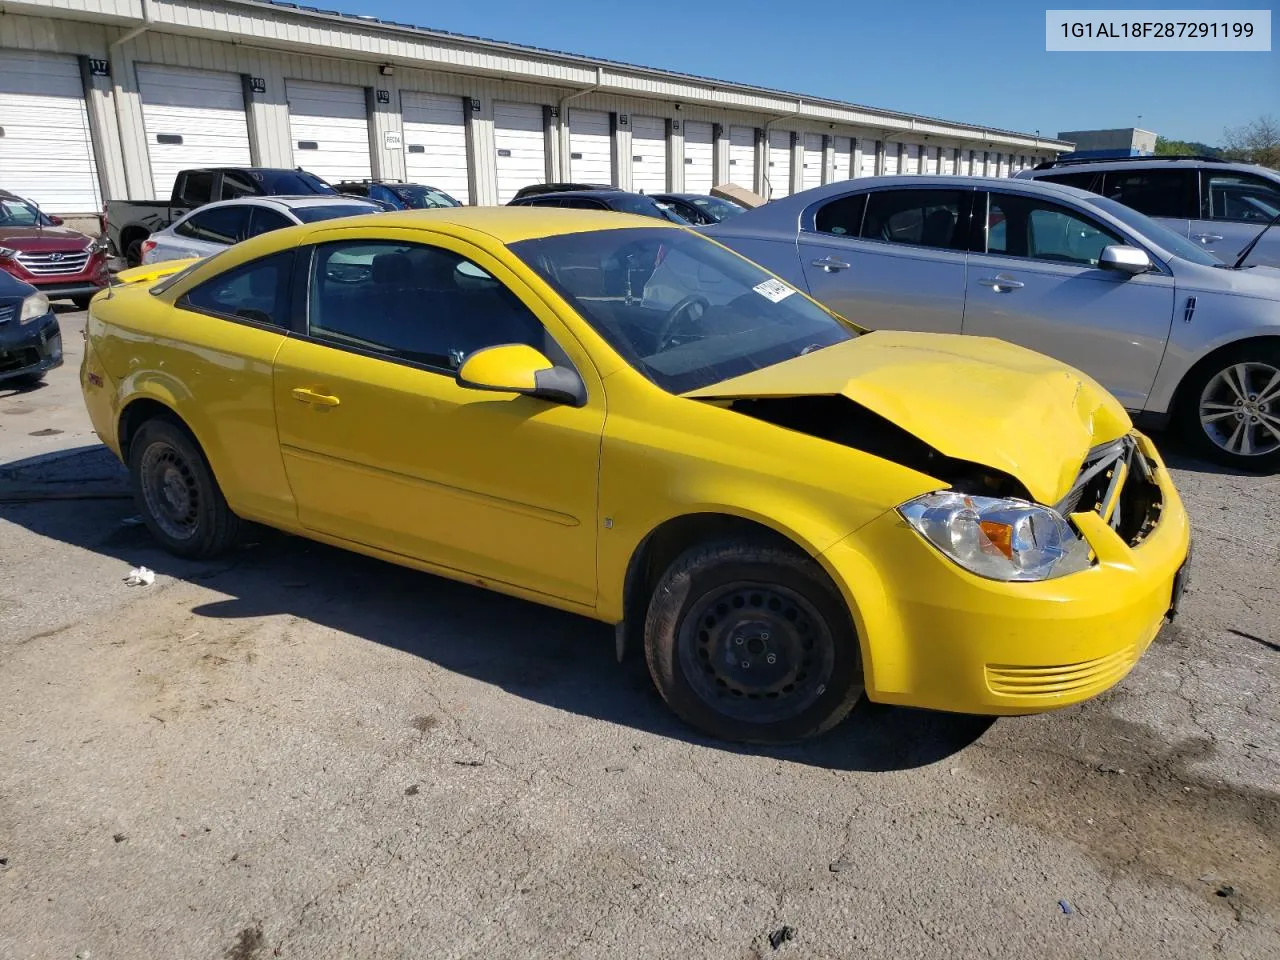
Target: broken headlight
(997,538)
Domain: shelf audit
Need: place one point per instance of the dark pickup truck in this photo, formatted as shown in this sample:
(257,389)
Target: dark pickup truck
(129,222)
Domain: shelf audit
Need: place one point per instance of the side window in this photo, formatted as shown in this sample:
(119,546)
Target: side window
(1157,193)
(197,188)
(1240,197)
(257,291)
(922,218)
(1082,181)
(236,184)
(583,203)
(842,217)
(1020,226)
(225,225)
(414,303)
(264,220)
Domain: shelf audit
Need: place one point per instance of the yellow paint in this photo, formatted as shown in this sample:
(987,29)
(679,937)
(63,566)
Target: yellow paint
(509,367)
(513,492)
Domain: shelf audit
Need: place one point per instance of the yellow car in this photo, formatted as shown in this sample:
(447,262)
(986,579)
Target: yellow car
(619,417)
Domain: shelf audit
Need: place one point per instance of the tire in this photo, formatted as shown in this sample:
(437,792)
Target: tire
(133,253)
(82,303)
(724,608)
(1238,409)
(177,494)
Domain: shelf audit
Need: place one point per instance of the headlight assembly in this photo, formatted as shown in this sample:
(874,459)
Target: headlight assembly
(33,308)
(997,538)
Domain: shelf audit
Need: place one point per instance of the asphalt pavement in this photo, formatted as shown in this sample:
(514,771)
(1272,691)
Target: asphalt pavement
(298,752)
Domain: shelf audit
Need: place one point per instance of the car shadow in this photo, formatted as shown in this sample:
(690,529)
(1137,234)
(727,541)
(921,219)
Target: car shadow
(79,497)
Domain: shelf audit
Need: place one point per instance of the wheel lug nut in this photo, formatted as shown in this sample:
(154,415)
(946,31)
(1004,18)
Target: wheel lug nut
(738,641)
(746,664)
(771,659)
(764,636)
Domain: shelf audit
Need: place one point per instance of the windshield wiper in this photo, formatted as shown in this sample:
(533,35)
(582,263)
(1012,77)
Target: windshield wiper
(1254,242)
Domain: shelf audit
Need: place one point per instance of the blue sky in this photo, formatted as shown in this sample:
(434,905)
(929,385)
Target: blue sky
(978,62)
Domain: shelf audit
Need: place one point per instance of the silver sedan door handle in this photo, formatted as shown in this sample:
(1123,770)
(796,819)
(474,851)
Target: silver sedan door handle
(831,264)
(1001,284)
(1206,237)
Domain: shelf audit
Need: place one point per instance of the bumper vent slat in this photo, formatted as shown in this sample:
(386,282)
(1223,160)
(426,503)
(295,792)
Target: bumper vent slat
(1053,681)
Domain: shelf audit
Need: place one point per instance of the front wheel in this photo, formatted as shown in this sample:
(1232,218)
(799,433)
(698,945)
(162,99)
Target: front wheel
(1231,408)
(82,302)
(176,492)
(752,642)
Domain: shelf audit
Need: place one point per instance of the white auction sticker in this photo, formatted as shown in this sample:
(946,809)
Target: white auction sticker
(1157,30)
(773,290)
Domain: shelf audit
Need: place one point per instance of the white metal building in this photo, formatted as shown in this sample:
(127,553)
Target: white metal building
(108,99)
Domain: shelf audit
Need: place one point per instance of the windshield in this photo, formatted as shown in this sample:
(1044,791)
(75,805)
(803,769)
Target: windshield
(333,211)
(294,183)
(417,197)
(1156,233)
(645,206)
(17,212)
(682,310)
(720,209)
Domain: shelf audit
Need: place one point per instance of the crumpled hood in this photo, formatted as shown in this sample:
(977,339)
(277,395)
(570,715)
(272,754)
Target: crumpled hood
(970,398)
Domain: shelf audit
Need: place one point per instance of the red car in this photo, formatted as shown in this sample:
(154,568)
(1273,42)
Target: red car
(57,261)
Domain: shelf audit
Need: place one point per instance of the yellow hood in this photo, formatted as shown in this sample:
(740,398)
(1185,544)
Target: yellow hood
(971,398)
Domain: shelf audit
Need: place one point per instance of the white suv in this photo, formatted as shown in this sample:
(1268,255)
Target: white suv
(1217,203)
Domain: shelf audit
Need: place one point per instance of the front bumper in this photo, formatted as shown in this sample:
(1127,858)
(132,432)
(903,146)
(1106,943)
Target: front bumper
(30,348)
(934,635)
(85,283)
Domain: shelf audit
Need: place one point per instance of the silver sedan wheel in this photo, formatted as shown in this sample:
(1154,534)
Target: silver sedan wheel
(1240,409)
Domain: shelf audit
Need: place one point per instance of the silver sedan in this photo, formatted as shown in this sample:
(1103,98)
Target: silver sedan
(216,226)
(1168,328)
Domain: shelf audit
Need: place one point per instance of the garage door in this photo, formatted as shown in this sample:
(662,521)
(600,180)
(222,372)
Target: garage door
(911,159)
(435,142)
(329,129)
(590,147)
(868,159)
(949,161)
(192,118)
(930,160)
(842,166)
(1002,165)
(892,158)
(699,157)
(521,147)
(648,154)
(811,173)
(779,164)
(742,157)
(46,152)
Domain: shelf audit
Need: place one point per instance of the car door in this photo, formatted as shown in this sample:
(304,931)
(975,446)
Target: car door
(203,232)
(384,448)
(1235,206)
(1169,195)
(1034,280)
(264,220)
(891,259)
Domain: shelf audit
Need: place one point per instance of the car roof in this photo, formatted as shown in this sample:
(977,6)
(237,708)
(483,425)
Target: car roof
(288,202)
(1140,163)
(593,194)
(806,197)
(506,224)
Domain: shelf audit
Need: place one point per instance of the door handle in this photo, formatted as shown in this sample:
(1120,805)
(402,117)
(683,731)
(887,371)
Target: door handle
(305,395)
(831,264)
(1206,237)
(1002,284)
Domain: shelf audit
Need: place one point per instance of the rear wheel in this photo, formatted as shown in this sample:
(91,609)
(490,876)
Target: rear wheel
(133,252)
(752,642)
(176,492)
(1231,407)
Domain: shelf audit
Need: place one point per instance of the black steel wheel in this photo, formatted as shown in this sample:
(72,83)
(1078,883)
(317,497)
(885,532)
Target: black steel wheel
(176,492)
(752,642)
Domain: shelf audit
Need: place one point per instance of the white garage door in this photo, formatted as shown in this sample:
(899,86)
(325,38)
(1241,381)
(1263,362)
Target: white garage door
(949,161)
(46,152)
(779,164)
(930,160)
(648,154)
(521,147)
(192,118)
(811,172)
(329,128)
(843,164)
(1002,169)
(868,158)
(435,142)
(590,147)
(742,157)
(699,157)
(911,159)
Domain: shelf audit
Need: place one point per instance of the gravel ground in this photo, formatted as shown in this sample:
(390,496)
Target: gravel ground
(297,752)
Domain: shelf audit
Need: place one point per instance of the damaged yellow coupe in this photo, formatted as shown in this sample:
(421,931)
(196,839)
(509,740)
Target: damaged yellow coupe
(621,418)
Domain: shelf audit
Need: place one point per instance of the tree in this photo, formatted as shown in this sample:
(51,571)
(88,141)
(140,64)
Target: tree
(1184,148)
(1256,142)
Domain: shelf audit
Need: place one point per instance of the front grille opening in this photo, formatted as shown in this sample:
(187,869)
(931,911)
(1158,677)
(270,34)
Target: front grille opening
(1118,473)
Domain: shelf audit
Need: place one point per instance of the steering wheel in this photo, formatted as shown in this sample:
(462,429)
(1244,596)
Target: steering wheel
(675,315)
